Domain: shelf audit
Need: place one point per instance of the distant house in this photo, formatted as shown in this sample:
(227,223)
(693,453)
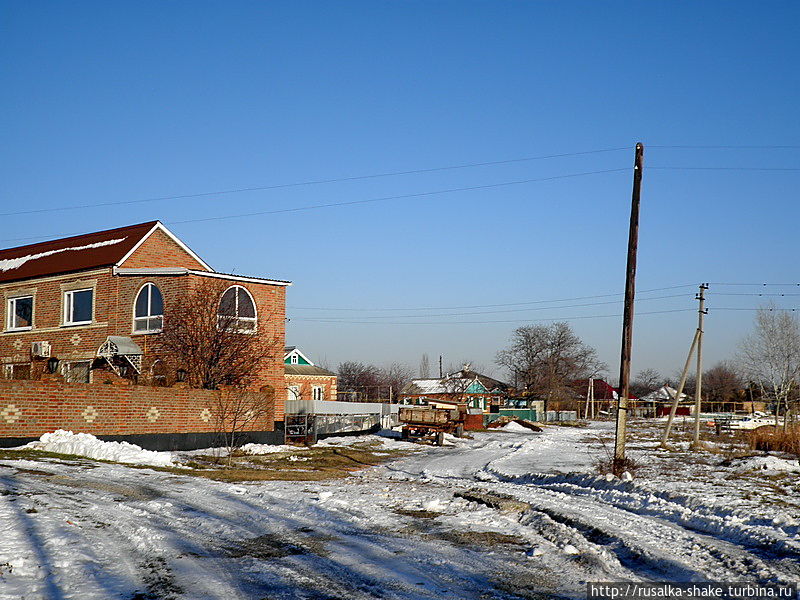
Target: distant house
(305,380)
(466,386)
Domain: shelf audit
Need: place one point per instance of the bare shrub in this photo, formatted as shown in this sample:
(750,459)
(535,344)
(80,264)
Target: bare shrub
(772,439)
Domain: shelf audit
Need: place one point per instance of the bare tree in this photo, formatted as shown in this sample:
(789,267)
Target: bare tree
(722,384)
(395,377)
(646,381)
(425,367)
(234,411)
(770,356)
(547,359)
(214,348)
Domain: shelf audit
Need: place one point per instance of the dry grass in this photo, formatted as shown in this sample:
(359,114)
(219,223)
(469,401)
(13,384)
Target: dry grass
(315,464)
(766,439)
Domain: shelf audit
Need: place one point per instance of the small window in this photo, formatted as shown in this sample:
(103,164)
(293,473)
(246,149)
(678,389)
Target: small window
(294,393)
(318,392)
(148,310)
(78,307)
(294,359)
(20,313)
(19,371)
(76,372)
(237,311)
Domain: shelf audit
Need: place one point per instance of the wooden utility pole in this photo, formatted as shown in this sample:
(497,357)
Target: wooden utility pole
(627,319)
(440,367)
(698,395)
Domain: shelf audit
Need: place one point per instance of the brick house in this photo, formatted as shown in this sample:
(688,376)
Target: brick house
(477,391)
(91,308)
(305,380)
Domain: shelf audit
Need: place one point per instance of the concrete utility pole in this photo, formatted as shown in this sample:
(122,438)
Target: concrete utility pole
(627,319)
(699,391)
(696,343)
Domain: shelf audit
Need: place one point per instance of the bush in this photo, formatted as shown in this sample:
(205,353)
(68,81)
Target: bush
(774,439)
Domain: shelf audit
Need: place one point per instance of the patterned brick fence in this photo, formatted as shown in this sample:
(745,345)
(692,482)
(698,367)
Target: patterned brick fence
(153,417)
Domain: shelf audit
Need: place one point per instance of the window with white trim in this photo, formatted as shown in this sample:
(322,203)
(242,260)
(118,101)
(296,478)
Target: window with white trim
(318,392)
(148,310)
(17,371)
(293,392)
(76,371)
(294,359)
(237,311)
(20,313)
(78,305)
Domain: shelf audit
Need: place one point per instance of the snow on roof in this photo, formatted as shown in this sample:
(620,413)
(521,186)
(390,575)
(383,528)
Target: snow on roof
(76,253)
(665,392)
(15,263)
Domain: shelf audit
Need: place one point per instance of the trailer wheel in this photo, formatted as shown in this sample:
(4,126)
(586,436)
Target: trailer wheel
(404,434)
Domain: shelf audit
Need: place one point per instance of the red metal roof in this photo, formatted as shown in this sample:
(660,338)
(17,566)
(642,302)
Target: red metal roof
(76,253)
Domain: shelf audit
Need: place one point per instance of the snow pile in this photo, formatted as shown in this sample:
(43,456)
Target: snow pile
(269,448)
(84,444)
(768,463)
(380,441)
(516,427)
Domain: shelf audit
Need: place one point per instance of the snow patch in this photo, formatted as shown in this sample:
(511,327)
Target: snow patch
(768,463)
(269,448)
(84,444)
(516,427)
(15,263)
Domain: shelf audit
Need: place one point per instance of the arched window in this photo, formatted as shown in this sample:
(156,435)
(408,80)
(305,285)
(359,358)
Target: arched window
(237,311)
(149,310)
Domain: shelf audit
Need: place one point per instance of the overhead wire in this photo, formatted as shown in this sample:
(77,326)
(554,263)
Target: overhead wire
(320,320)
(313,182)
(659,289)
(486,312)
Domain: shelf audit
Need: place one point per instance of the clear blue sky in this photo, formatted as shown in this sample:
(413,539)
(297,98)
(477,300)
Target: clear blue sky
(111,101)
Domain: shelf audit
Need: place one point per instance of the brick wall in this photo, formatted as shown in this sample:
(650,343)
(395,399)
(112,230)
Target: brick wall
(114,298)
(30,408)
(306,383)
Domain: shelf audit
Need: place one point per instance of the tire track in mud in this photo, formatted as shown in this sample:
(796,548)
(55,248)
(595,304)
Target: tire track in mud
(705,543)
(654,534)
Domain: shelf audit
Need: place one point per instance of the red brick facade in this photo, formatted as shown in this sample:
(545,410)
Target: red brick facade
(305,385)
(115,289)
(31,408)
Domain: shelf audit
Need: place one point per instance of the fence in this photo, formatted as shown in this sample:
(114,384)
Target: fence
(307,420)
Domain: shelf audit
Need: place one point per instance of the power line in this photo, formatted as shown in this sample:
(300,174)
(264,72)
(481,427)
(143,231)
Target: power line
(657,312)
(726,147)
(677,168)
(311,182)
(767,308)
(672,287)
(398,197)
(371,200)
(486,312)
(753,294)
(758,284)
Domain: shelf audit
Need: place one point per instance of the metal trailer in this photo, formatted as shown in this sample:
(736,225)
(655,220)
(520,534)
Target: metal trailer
(425,422)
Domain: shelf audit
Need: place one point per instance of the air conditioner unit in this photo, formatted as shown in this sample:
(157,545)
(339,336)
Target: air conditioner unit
(40,349)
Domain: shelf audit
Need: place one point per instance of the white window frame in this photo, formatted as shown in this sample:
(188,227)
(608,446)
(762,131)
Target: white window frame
(148,286)
(11,313)
(68,304)
(294,360)
(239,320)
(293,392)
(67,366)
(318,392)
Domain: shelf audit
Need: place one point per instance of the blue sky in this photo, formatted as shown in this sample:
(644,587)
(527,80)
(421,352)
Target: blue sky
(112,102)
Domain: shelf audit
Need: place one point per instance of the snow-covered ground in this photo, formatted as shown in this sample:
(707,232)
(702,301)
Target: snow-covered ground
(88,530)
